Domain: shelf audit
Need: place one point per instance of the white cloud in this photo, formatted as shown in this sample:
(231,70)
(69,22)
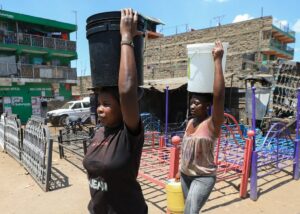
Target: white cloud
(297,50)
(242,17)
(280,23)
(296,26)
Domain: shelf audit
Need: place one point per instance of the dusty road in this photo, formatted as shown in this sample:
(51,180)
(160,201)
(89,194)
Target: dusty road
(20,194)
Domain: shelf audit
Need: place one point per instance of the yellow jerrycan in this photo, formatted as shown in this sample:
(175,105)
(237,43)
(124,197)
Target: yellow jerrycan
(175,199)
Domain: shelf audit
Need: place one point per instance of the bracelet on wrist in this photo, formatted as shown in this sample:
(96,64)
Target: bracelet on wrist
(126,42)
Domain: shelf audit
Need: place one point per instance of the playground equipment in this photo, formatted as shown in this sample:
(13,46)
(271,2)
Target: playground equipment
(150,122)
(160,162)
(274,152)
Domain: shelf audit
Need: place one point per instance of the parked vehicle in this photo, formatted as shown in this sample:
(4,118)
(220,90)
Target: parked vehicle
(79,108)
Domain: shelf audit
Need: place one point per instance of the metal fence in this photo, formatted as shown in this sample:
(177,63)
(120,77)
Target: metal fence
(13,136)
(74,141)
(37,151)
(37,41)
(32,147)
(38,71)
(2,131)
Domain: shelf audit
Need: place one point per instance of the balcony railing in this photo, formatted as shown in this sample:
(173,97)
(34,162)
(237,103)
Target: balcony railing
(9,37)
(285,29)
(37,71)
(282,47)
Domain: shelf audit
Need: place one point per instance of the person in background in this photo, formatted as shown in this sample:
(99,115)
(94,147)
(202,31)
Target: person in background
(44,107)
(197,168)
(113,157)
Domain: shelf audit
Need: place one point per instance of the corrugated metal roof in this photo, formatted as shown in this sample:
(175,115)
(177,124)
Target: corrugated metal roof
(37,20)
(161,84)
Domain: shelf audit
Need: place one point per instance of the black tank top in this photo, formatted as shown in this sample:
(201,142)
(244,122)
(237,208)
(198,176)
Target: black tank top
(112,162)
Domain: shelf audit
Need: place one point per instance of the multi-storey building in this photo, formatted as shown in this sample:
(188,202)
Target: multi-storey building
(35,63)
(257,40)
(253,44)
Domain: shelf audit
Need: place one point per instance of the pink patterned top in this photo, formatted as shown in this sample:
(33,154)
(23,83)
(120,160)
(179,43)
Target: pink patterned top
(197,150)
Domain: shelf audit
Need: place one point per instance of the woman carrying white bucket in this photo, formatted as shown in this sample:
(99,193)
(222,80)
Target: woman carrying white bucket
(197,168)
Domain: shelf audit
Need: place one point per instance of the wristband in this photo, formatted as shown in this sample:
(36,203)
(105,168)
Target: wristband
(126,42)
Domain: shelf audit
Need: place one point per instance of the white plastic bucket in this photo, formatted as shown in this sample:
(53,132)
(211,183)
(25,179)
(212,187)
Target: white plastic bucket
(201,67)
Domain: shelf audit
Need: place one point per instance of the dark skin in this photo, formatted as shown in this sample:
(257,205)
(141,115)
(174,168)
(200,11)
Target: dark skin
(199,106)
(127,73)
(108,110)
(111,112)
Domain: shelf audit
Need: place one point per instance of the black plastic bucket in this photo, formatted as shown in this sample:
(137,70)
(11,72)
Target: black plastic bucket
(103,34)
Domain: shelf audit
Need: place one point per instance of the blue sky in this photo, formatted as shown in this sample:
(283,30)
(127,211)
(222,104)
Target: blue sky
(195,14)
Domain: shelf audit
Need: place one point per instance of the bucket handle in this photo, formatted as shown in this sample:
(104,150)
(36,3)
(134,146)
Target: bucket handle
(113,26)
(99,28)
(105,27)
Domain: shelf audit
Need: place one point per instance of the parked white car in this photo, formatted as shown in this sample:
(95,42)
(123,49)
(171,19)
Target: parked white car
(78,108)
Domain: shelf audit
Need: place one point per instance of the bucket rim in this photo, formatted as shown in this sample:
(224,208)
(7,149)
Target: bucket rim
(107,15)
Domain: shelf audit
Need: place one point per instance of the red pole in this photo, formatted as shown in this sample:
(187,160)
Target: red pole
(174,162)
(246,166)
(174,157)
(161,148)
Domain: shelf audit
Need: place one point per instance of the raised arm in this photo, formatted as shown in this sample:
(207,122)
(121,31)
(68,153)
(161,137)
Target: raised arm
(218,89)
(127,73)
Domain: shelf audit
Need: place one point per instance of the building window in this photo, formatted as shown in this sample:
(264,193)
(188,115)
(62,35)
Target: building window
(267,34)
(249,56)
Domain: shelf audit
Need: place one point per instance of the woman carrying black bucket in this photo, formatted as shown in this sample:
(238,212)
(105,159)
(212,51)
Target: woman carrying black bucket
(113,157)
(197,168)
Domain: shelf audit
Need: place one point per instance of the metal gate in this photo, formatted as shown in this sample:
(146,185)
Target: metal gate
(13,136)
(37,151)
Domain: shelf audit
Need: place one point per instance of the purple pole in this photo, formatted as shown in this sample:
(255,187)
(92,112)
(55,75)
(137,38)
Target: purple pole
(253,180)
(298,113)
(167,113)
(253,114)
(297,141)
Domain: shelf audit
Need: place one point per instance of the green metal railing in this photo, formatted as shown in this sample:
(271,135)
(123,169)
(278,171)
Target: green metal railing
(283,48)
(285,30)
(9,37)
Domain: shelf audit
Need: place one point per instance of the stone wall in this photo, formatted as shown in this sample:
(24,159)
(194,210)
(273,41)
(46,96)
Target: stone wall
(81,89)
(166,57)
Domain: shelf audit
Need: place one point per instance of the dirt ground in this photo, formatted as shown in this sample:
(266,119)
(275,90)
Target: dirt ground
(19,193)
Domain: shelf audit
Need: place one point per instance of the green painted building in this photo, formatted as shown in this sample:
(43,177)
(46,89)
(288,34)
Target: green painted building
(35,63)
